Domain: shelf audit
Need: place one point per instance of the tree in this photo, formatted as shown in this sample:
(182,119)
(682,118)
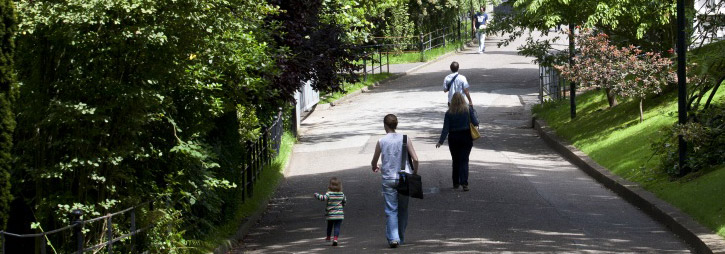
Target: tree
(7,95)
(596,65)
(120,99)
(317,45)
(626,71)
(643,74)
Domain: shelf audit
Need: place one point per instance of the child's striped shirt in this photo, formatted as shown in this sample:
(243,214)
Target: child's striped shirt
(335,202)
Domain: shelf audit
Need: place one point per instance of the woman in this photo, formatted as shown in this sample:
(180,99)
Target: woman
(456,128)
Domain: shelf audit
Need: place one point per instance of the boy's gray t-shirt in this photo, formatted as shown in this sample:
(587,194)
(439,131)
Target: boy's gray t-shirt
(391,148)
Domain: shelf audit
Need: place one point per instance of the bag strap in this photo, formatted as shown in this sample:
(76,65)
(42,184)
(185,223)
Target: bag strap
(448,87)
(404,153)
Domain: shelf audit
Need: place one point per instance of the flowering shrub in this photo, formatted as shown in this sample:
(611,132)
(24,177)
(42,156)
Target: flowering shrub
(625,71)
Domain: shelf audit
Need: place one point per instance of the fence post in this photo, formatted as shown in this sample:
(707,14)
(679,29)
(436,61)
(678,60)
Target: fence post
(430,40)
(422,49)
(444,37)
(365,70)
(43,244)
(133,229)
(541,84)
(77,230)
(380,58)
(387,60)
(109,234)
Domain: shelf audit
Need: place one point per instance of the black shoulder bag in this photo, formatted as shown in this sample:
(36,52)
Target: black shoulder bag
(449,84)
(408,184)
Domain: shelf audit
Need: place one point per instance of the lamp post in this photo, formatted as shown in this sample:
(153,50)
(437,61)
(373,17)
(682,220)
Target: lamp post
(681,84)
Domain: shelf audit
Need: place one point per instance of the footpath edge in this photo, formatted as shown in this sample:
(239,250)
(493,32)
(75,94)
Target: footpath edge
(700,238)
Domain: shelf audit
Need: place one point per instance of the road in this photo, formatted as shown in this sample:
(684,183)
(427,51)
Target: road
(524,197)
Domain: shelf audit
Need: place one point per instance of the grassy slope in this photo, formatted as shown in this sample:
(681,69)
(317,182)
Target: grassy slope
(615,139)
(414,57)
(349,88)
(264,188)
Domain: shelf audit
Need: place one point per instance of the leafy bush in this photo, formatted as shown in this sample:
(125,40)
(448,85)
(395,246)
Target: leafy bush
(705,142)
(7,94)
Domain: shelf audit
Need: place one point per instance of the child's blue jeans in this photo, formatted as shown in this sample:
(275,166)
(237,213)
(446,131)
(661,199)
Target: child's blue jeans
(336,224)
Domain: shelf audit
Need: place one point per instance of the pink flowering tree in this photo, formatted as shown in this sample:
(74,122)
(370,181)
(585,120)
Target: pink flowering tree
(595,64)
(642,74)
(626,71)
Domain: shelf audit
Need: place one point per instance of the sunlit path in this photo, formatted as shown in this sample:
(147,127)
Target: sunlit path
(524,197)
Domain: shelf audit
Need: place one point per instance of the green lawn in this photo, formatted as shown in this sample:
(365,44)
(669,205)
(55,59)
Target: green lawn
(264,188)
(414,57)
(352,87)
(615,139)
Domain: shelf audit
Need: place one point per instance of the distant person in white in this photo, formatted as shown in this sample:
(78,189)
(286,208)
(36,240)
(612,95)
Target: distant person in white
(481,23)
(456,83)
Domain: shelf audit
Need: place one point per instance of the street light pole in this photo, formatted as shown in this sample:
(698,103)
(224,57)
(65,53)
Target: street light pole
(681,83)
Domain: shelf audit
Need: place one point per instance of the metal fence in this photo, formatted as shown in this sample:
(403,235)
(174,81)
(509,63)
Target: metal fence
(121,229)
(383,47)
(550,84)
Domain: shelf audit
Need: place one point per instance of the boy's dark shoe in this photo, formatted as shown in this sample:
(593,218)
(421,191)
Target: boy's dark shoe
(334,243)
(455,186)
(465,188)
(394,244)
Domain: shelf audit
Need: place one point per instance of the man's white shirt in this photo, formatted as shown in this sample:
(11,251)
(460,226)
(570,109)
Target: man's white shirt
(458,85)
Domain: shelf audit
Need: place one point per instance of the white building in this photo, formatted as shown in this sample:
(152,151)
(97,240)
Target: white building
(710,21)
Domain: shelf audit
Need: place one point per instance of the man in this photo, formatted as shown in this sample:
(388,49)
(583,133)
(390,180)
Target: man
(481,23)
(396,205)
(456,83)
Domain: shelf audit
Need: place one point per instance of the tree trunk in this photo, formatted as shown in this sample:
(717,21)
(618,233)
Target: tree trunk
(611,97)
(641,113)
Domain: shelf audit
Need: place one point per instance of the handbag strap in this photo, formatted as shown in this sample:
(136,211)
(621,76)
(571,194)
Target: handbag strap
(404,153)
(450,83)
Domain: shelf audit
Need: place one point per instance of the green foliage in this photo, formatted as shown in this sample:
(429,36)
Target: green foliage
(705,142)
(120,99)
(7,98)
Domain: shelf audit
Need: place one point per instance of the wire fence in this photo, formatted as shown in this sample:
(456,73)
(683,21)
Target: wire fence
(550,84)
(123,231)
(383,47)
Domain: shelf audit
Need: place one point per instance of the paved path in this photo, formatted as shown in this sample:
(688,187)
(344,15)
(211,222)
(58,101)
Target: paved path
(524,197)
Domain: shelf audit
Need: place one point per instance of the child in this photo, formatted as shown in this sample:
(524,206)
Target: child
(333,212)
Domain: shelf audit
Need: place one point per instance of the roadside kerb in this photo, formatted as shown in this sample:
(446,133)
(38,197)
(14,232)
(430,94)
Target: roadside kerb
(700,238)
(325,106)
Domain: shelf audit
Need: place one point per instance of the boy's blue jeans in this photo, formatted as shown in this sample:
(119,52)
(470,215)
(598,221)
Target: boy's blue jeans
(396,212)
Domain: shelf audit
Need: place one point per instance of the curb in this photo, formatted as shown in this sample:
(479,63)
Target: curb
(235,241)
(326,106)
(700,238)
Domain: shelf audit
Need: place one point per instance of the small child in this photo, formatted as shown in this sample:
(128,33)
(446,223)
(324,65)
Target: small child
(333,212)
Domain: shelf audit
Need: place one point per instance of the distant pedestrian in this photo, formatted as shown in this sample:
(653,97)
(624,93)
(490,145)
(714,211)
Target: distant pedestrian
(481,24)
(334,210)
(456,83)
(456,127)
(390,147)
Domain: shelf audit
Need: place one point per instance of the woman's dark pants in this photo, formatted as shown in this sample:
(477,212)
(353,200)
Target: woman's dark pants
(460,144)
(333,223)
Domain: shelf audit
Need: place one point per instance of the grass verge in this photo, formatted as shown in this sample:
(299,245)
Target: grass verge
(264,188)
(414,57)
(615,139)
(352,87)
